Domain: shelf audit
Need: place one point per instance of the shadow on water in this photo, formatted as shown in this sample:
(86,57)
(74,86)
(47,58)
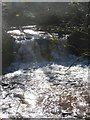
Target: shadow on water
(54,81)
(65,61)
(34,48)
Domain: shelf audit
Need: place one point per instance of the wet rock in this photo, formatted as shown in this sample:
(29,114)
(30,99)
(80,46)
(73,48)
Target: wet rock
(4,84)
(7,50)
(51,77)
(19,96)
(64,113)
(79,43)
(87,118)
(56,83)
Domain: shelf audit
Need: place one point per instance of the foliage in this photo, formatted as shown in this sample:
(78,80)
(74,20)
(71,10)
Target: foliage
(67,15)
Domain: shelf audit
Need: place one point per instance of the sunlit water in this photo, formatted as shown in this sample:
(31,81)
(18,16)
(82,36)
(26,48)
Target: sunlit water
(46,89)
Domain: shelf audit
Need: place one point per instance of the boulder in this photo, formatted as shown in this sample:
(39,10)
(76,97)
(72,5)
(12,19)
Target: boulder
(79,43)
(7,50)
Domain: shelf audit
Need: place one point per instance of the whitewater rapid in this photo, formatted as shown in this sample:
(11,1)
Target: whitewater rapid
(45,89)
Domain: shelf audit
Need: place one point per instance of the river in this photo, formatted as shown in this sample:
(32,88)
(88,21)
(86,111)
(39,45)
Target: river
(38,85)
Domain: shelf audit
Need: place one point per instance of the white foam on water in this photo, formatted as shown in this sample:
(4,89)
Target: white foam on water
(43,83)
(30,31)
(30,98)
(15,32)
(16,73)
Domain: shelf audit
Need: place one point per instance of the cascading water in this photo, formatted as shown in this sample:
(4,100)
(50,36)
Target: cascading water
(28,50)
(32,46)
(42,87)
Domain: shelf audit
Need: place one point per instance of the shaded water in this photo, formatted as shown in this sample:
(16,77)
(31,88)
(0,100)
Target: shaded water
(32,45)
(44,88)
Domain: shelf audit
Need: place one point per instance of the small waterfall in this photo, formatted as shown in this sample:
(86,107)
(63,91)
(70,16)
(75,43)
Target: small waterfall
(37,85)
(36,46)
(27,50)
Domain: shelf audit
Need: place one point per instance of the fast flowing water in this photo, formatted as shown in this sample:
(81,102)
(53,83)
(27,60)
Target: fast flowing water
(39,83)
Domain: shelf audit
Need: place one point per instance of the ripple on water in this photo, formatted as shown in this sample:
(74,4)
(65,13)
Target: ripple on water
(47,92)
